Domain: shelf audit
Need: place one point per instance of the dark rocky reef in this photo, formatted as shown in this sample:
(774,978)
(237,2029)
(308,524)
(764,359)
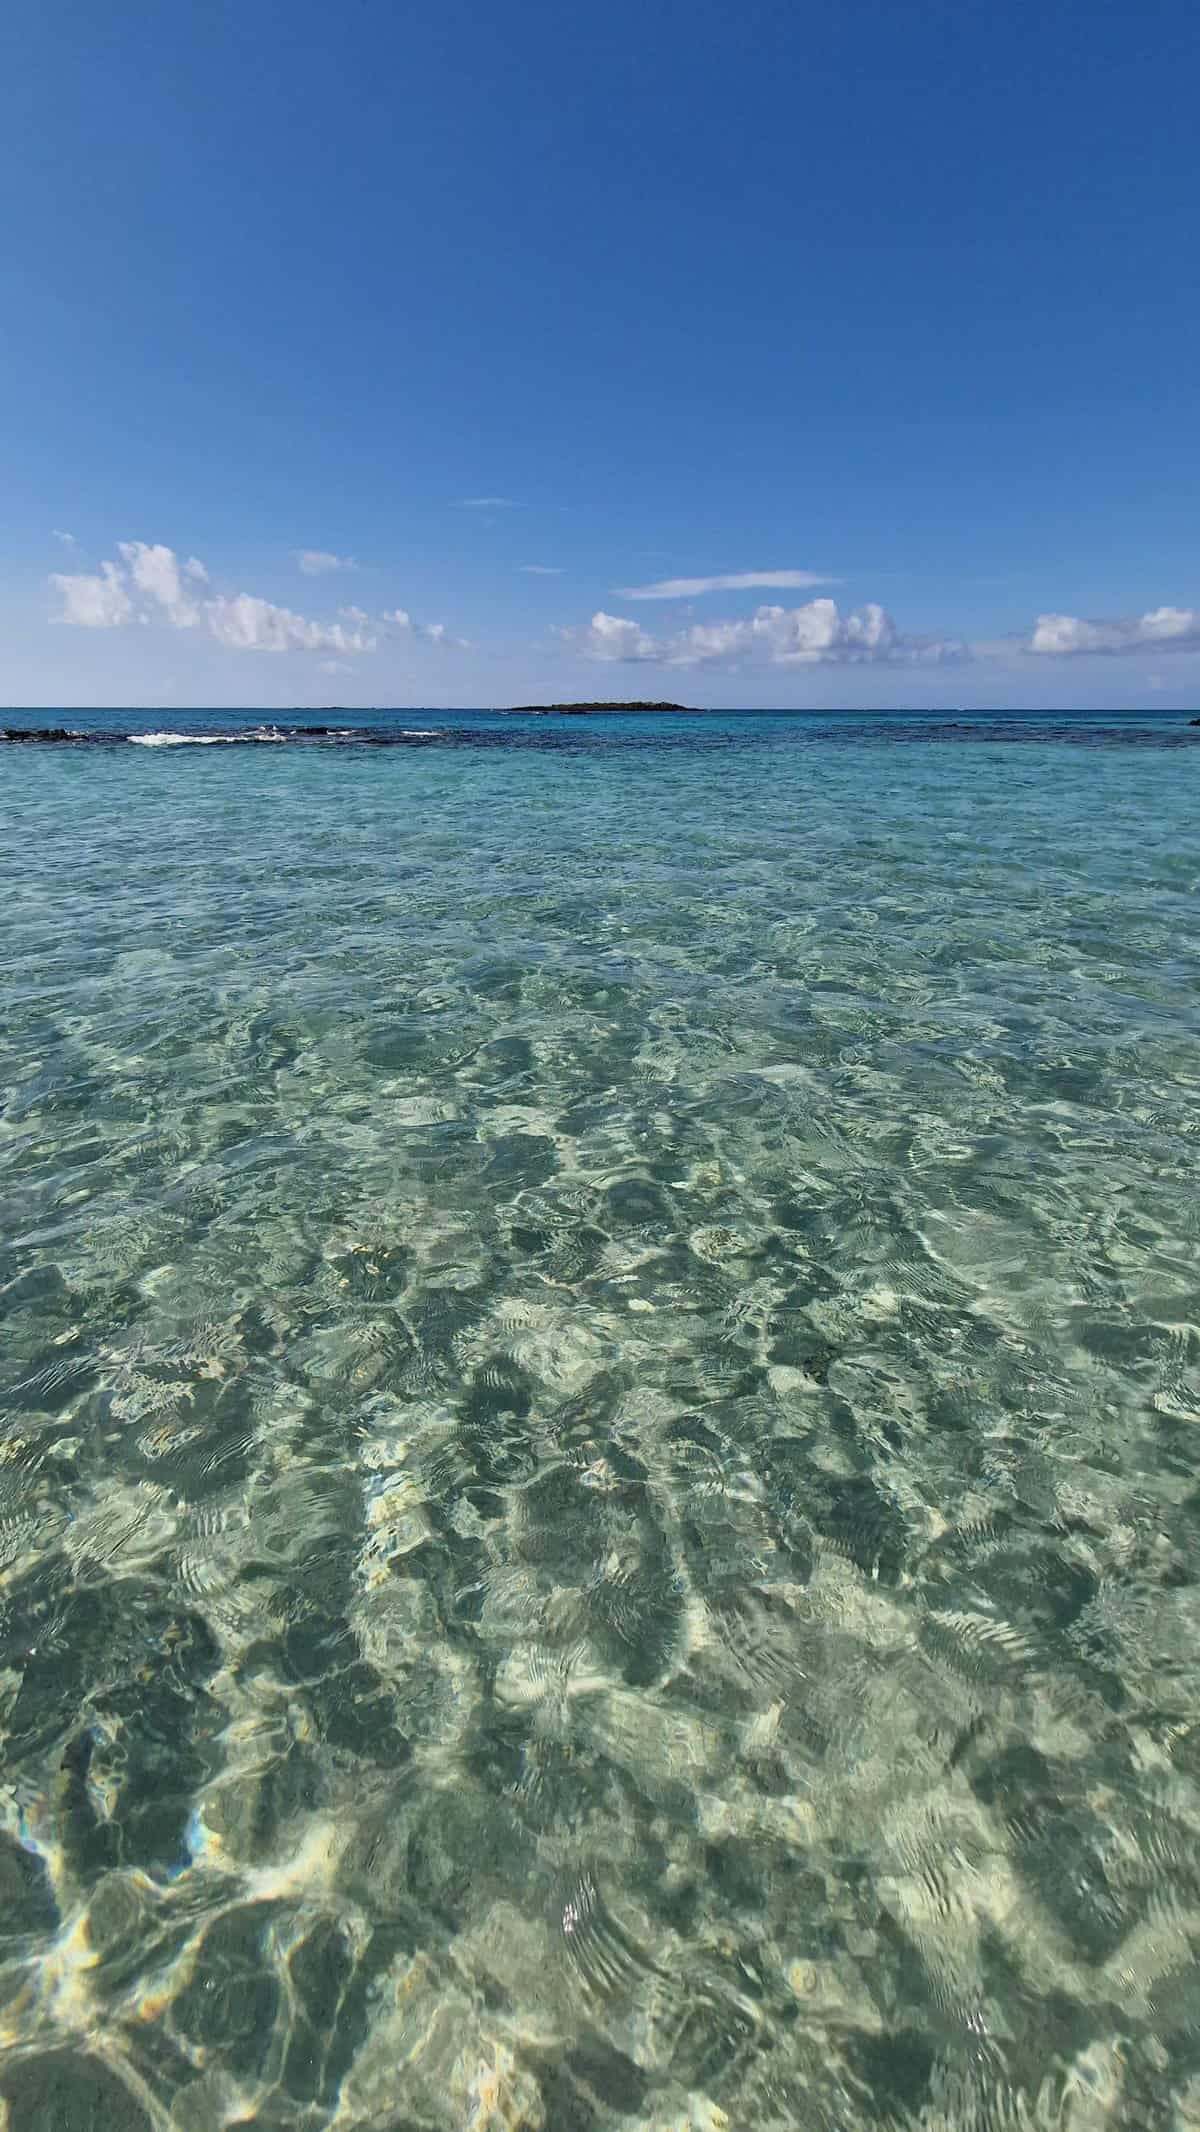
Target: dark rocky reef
(585,710)
(45,733)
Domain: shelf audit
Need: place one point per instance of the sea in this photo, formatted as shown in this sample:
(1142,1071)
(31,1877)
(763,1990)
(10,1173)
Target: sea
(600,1422)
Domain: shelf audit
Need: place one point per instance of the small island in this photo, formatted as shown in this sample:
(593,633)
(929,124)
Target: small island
(586,710)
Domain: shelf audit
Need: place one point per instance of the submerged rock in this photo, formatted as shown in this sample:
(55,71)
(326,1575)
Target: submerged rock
(57,2089)
(27,1905)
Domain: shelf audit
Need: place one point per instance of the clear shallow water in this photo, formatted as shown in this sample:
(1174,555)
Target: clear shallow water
(598,1502)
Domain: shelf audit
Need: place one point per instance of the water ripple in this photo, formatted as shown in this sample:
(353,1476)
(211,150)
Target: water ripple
(597,1484)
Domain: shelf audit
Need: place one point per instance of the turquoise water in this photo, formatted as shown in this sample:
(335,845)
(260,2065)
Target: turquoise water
(598,1475)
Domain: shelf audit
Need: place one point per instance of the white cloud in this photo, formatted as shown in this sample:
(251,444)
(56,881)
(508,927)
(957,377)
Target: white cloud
(148,584)
(813,634)
(155,574)
(692,588)
(817,631)
(398,617)
(487,503)
(250,624)
(1167,625)
(68,539)
(608,636)
(336,666)
(99,602)
(357,615)
(539,569)
(317,562)
(1063,633)
(1167,628)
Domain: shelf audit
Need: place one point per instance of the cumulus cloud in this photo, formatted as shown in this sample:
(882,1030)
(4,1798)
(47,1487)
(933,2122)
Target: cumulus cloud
(693,588)
(813,634)
(609,636)
(155,573)
(1163,628)
(317,562)
(150,584)
(94,602)
(249,624)
(68,539)
(398,617)
(817,631)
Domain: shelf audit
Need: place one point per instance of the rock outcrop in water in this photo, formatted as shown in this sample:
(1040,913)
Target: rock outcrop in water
(45,733)
(586,710)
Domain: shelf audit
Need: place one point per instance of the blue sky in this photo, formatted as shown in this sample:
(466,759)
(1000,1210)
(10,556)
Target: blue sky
(435,337)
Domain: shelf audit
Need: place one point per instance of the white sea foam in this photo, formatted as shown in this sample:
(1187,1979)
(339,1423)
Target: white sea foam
(177,740)
(202,740)
(265,733)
